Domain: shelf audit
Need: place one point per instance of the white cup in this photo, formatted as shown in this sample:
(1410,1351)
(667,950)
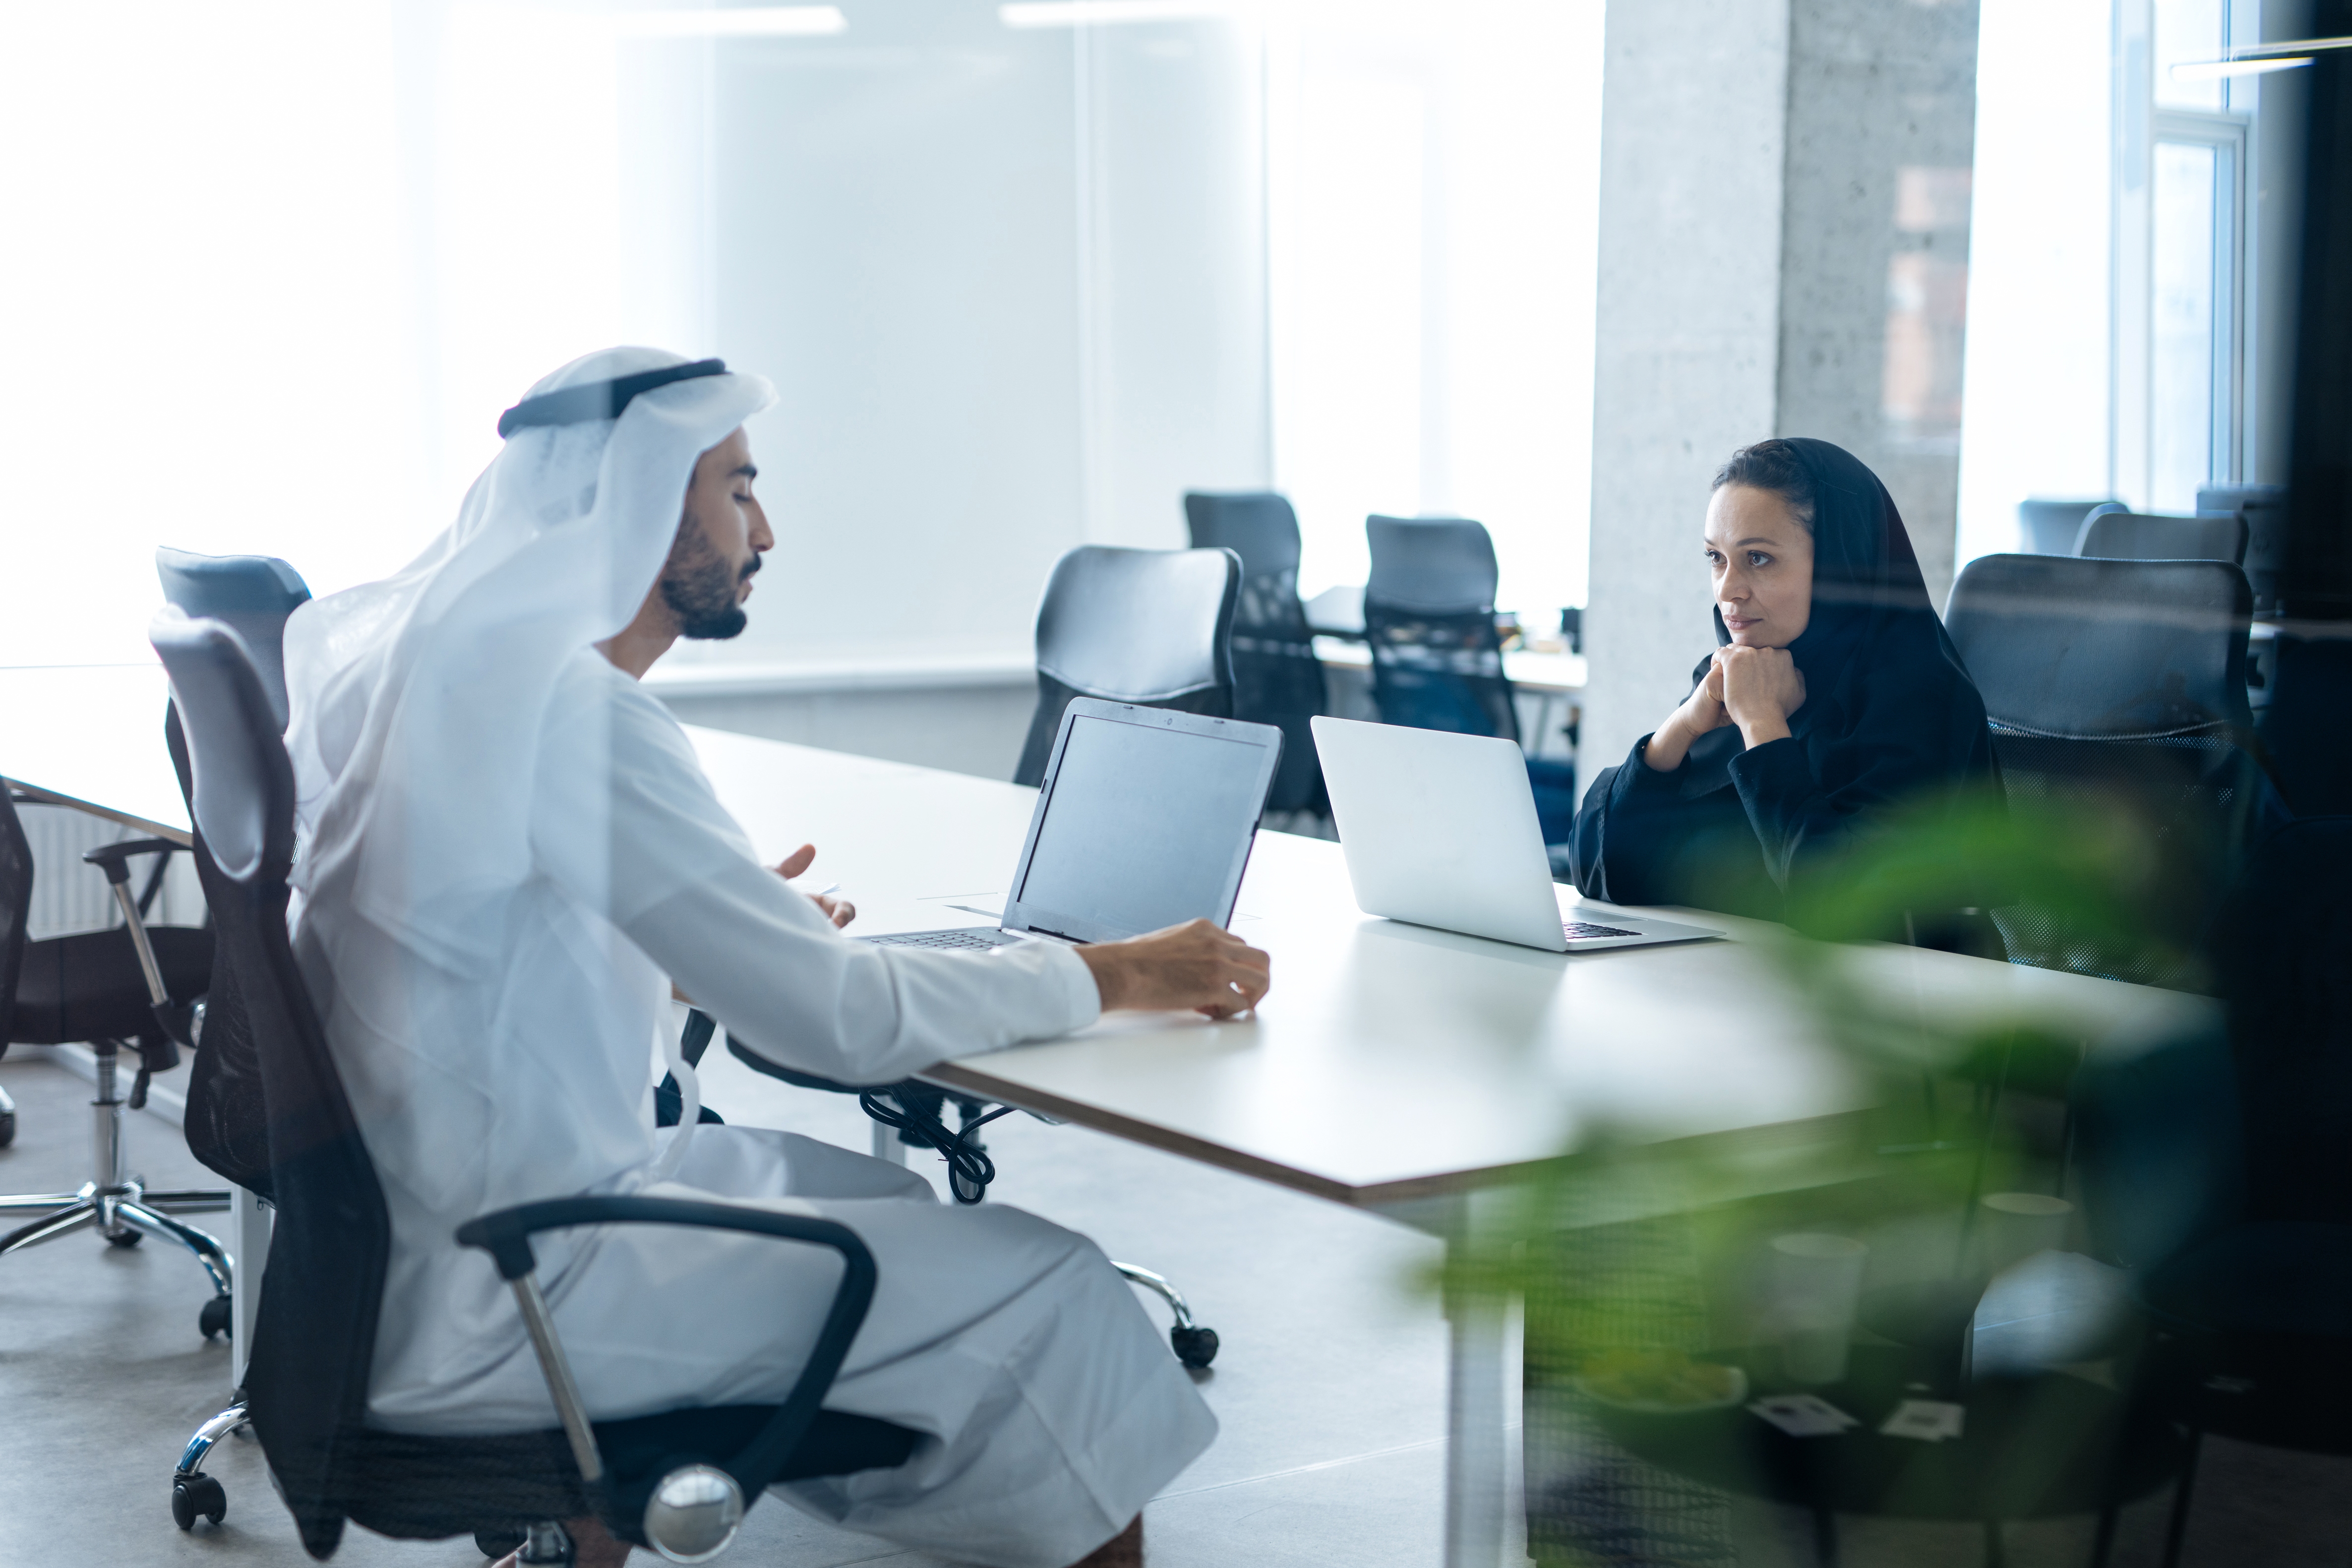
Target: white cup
(1817,1286)
(2014,1227)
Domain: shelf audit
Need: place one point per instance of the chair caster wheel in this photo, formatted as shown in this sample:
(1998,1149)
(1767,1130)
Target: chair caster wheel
(127,1239)
(213,1318)
(1196,1348)
(498,1543)
(7,1128)
(197,1493)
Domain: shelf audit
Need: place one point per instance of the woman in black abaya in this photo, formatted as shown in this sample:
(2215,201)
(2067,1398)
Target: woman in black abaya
(1834,695)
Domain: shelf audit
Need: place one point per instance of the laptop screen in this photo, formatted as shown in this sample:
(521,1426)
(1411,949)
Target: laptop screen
(1147,822)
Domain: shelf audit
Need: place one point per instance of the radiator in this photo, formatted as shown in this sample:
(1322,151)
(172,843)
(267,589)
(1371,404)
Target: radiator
(68,896)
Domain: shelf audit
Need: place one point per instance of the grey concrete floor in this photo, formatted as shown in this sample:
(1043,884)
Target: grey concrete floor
(1329,1386)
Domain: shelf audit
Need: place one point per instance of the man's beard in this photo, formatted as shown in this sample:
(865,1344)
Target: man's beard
(701,588)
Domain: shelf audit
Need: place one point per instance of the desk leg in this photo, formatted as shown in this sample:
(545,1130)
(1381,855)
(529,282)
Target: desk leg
(1479,1367)
(249,1242)
(886,1145)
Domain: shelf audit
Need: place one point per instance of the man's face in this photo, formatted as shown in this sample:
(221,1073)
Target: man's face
(719,542)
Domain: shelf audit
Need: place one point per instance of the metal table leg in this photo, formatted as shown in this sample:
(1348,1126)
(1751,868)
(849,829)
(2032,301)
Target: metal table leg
(1482,1370)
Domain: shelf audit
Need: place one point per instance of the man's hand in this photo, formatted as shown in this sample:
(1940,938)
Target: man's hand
(839,910)
(1702,710)
(1761,687)
(1196,965)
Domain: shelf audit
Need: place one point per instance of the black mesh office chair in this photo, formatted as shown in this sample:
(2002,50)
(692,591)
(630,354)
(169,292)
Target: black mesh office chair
(678,1481)
(2122,683)
(2148,536)
(1152,627)
(2051,527)
(1437,660)
(133,986)
(2263,509)
(1276,678)
(251,594)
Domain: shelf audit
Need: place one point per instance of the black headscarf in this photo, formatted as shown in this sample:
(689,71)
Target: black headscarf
(1889,707)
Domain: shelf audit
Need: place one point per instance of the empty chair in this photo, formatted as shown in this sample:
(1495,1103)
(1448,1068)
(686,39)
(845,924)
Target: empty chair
(1151,627)
(129,986)
(1437,660)
(2051,527)
(2263,508)
(2146,536)
(252,594)
(2122,684)
(677,1479)
(1277,679)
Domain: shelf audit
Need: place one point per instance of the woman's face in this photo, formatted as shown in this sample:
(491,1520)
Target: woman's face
(1762,557)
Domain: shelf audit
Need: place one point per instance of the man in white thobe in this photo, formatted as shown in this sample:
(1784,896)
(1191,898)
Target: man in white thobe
(509,856)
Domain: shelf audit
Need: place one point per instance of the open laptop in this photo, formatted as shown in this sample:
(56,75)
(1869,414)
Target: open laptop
(1144,819)
(1440,830)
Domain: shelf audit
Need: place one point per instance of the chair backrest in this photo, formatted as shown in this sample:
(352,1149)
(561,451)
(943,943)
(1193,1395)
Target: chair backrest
(252,594)
(1442,563)
(1276,678)
(306,1381)
(2264,510)
(2051,527)
(1150,626)
(1429,619)
(2146,536)
(2122,683)
(16,906)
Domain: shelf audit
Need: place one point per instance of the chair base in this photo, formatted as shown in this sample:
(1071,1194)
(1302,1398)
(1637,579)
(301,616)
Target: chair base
(193,1492)
(119,1206)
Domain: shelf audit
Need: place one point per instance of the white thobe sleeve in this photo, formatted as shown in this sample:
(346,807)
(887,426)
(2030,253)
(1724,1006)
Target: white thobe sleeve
(680,879)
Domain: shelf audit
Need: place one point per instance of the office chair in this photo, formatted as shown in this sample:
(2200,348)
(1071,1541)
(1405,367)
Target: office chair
(2051,527)
(253,595)
(2146,536)
(1277,679)
(1150,626)
(1437,660)
(2262,507)
(2212,1170)
(112,989)
(677,1482)
(2122,683)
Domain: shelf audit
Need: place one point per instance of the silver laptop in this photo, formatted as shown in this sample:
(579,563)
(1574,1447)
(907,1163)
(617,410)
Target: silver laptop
(1440,830)
(1145,819)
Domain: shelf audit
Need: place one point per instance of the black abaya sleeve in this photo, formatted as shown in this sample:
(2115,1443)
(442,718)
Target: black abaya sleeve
(1634,837)
(1789,811)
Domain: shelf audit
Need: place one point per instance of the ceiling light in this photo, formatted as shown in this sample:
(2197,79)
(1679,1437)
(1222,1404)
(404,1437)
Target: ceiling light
(744,21)
(1091,13)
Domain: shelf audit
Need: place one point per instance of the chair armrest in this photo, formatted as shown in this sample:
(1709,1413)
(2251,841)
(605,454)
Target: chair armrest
(110,857)
(506,1236)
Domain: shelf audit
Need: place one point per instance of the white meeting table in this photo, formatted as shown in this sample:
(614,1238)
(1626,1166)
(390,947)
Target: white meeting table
(1401,1070)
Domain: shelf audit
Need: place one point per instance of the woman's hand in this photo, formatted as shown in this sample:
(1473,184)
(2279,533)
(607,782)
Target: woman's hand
(1761,687)
(839,910)
(1702,710)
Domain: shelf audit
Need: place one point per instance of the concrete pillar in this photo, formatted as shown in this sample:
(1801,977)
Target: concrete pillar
(1782,251)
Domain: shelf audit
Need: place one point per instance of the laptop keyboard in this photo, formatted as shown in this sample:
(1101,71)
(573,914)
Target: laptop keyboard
(1578,930)
(950,939)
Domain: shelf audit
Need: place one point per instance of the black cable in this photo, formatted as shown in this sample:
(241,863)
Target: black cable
(970,1170)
